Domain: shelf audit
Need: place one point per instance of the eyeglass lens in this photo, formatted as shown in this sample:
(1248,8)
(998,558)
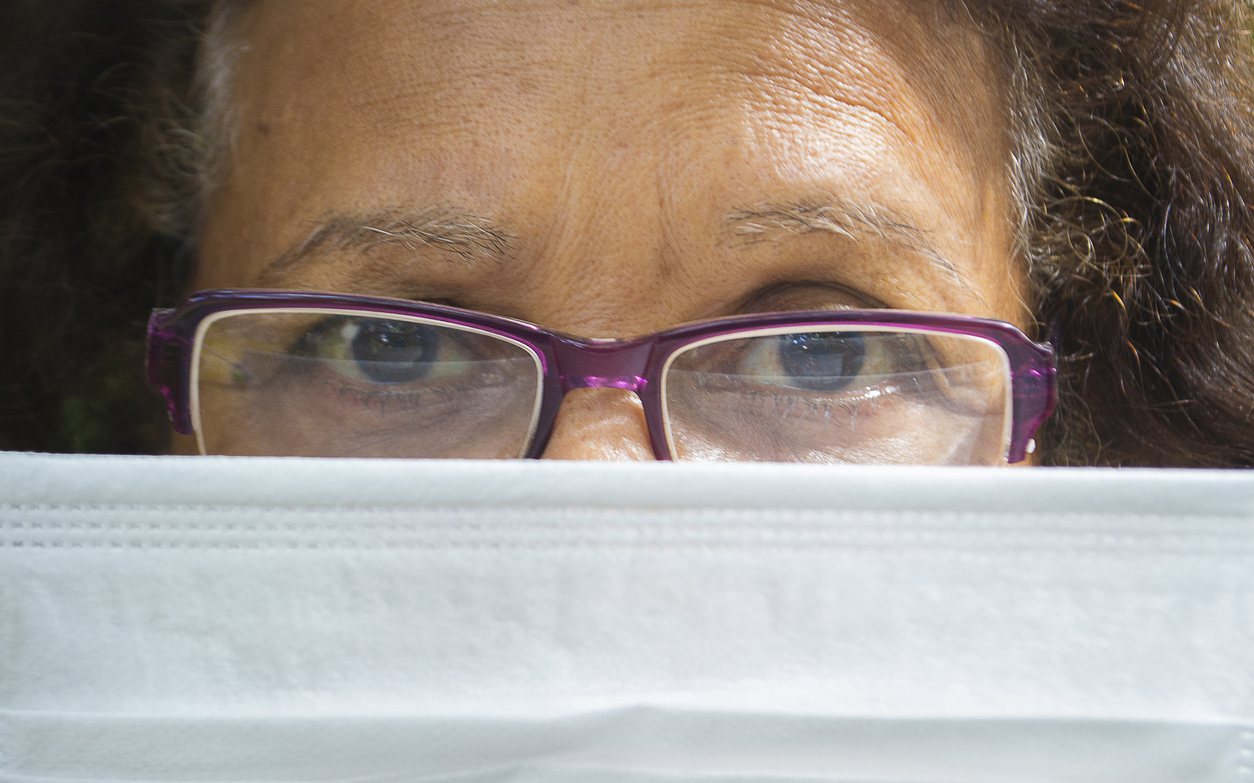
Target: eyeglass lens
(328,383)
(834,395)
(331,384)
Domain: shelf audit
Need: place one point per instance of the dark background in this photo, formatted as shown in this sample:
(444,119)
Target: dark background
(76,266)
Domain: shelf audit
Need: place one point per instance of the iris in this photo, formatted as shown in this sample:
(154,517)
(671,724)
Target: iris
(822,361)
(390,351)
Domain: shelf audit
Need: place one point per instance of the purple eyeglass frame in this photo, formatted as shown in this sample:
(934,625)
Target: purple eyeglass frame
(570,362)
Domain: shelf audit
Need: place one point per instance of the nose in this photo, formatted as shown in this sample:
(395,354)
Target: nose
(599,424)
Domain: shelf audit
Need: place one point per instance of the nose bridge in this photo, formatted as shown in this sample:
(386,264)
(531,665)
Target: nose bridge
(587,364)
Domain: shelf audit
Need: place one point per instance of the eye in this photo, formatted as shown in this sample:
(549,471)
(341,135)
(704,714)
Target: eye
(380,350)
(394,351)
(821,361)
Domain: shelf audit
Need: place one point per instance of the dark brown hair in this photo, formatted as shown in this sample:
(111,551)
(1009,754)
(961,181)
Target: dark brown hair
(1140,228)
(1133,136)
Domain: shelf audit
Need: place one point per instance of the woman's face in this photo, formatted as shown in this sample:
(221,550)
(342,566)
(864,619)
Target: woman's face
(610,169)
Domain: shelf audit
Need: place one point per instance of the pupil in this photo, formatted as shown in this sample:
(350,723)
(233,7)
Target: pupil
(394,351)
(822,361)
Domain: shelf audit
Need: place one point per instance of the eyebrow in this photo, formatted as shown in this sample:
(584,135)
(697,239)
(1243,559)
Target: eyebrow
(443,228)
(473,238)
(774,220)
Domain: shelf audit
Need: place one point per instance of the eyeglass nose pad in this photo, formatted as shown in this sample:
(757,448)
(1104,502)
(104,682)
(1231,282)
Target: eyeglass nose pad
(599,424)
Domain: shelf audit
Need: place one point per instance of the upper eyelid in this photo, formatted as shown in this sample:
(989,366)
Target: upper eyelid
(865,300)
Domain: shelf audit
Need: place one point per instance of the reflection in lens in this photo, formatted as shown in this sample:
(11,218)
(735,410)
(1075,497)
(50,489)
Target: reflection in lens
(858,397)
(319,383)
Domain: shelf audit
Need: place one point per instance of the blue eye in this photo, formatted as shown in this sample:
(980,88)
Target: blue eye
(822,361)
(389,351)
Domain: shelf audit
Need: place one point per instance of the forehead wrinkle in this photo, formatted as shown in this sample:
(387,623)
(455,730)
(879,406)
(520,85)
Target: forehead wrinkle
(790,102)
(446,229)
(916,70)
(868,100)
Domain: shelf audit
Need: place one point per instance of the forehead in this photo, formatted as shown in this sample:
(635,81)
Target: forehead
(545,113)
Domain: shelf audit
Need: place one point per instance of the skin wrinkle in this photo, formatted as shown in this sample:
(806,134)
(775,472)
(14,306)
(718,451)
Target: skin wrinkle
(613,145)
(914,44)
(873,85)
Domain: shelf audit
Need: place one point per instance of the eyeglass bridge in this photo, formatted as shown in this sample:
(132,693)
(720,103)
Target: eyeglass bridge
(602,364)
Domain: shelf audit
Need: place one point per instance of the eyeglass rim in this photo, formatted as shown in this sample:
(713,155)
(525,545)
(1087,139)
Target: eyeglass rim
(862,328)
(172,337)
(206,322)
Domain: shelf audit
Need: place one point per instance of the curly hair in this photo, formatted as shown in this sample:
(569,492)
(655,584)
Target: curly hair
(1133,137)
(1140,233)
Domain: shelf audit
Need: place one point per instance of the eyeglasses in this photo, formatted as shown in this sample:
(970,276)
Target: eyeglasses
(313,374)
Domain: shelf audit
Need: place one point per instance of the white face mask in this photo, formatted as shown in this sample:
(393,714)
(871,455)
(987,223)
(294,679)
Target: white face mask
(265,619)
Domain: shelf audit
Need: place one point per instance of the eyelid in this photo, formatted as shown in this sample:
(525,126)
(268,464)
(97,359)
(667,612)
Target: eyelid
(808,295)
